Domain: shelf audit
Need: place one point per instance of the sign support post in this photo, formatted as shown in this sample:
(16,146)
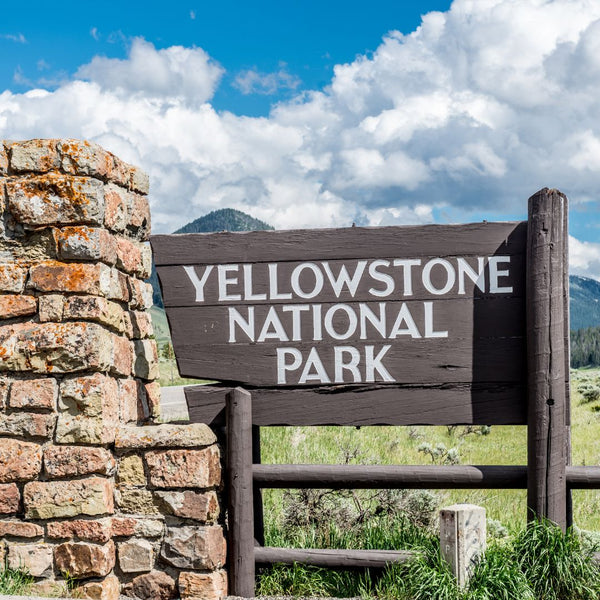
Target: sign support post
(240,495)
(546,434)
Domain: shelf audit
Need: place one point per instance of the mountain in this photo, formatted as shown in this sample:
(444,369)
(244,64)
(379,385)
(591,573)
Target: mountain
(584,302)
(225,219)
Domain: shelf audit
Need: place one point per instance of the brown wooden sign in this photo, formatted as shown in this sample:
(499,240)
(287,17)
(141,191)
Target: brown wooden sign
(406,308)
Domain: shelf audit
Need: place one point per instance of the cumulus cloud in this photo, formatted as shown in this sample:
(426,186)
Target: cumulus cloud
(584,258)
(179,72)
(473,112)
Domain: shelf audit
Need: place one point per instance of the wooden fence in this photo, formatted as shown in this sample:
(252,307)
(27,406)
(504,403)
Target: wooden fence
(511,366)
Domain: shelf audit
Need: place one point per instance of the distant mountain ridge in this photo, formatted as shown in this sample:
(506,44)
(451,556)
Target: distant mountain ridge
(225,219)
(584,292)
(584,296)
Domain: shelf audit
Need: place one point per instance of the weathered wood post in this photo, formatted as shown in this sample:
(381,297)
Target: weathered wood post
(547,392)
(240,498)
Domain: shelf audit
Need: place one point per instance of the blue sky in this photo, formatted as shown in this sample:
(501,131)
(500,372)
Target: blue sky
(310,114)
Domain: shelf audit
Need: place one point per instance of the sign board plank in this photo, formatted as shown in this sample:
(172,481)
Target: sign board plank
(331,244)
(447,404)
(395,309)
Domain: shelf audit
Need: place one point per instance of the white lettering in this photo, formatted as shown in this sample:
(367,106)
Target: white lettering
(429,332)
(373,364)
(272,320)
(343,278)
(248,294)
(382,277)
(351,365)
(366,314)
(198,282)
(273,289)
(477,277)
(283,366)
(404,316)
(247,326)
(296,280)
(224,281)
(352,321)
(494,261)
(407,266)
(296,309)
(314,361)
(450,276)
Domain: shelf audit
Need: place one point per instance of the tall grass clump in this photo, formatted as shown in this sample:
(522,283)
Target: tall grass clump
(556,565)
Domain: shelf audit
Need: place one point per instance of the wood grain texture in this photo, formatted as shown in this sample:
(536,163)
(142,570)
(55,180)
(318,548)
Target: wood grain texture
(332,558)
(345,243)
(240,559)
(391,476)
(547,442)
(446,404)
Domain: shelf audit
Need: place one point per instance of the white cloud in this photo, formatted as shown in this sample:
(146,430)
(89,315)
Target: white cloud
(18,38)
(252,81)
(474,111)
(174,72)
(584,258)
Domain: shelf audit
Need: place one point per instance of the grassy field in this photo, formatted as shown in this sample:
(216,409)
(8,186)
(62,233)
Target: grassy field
(442,445)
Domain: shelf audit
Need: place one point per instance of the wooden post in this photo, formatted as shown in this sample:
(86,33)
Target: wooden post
(462,538)
(547,394)
(239,480)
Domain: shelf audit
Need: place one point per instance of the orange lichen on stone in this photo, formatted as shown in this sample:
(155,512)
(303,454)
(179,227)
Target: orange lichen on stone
(37,156)
(12,305)
(54,198)
(54,276)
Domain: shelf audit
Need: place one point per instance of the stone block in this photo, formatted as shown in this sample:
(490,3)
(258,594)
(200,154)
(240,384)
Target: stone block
(28,425)
(86,243)
(140,293)
(194,547)
(55,347)
(19,461)
(139,182)
(16,305)
(50,308)
(156,585)
(20,529)
(81,559)
(36,156)
(128,526)
(79,278)
(116,214)
(36,558)
(95,308)
(96,530)
(57,499)
(9,498)
(462,538)
(105,589)
(129,392)
(146,359)
(200,506)
(3,160)
(152,397)
(192,435)
(141,323)
(129,255)
(136,556)
(33,393)
(184,468)
(90,410)
(123,356)
(55,198)
(89,159)
(4,389)
(136,501)
(12,278)
(119,288)
(139,217)
(67,461)
(203,586)
(131,471)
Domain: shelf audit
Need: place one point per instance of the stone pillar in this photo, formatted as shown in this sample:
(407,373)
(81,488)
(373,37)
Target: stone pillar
(91,491)
(462,538)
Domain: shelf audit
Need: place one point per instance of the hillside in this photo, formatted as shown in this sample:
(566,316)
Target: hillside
(584,302)
(226,219)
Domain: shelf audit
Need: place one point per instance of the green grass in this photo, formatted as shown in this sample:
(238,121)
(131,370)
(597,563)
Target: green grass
(15,582)
(319,518)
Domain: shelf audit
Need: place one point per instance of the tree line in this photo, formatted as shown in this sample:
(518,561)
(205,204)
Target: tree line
(585,347)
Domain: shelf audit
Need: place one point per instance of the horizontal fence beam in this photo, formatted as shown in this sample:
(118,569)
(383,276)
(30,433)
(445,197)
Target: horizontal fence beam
(331,558)
(583,478)
(415,477)
(392,476)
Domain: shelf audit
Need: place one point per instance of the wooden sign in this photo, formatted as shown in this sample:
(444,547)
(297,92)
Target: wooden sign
(422,309)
